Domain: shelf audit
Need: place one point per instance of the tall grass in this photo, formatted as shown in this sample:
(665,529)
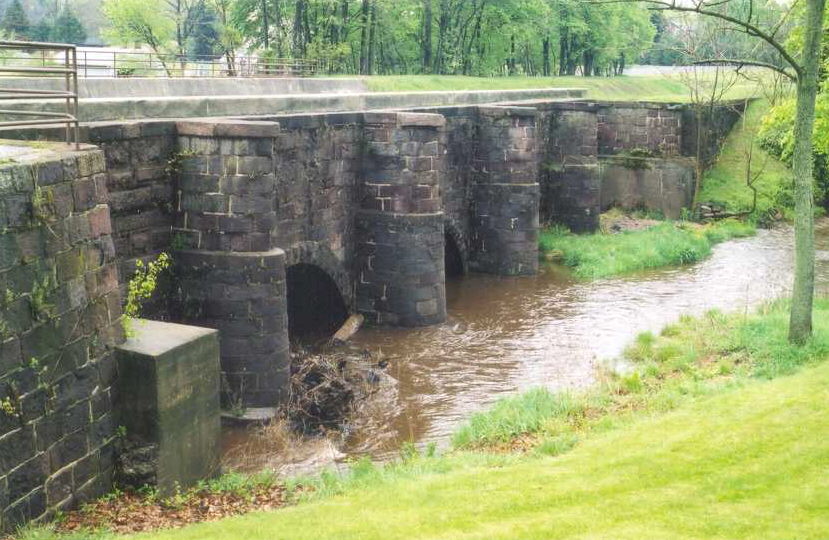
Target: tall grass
(695,356)
(600,255)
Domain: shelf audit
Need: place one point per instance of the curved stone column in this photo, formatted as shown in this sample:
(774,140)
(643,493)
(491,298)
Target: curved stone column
(505,193)
(400,237)
(231,277)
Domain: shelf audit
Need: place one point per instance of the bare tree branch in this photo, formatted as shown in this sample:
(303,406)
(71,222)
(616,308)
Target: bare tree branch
(741,63)
(701,8)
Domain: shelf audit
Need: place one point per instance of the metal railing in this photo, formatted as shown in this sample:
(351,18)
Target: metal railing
(106,63)
(66,68)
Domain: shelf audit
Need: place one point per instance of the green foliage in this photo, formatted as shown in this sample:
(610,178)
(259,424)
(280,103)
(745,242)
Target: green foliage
(776,136)
(142,285)
(600,255)
(8,407)
(39,299)
(68,28)
(15,21)
(471,37)
(134,22)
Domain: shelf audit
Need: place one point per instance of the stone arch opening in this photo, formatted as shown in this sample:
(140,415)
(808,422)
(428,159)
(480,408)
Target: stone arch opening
(316,308)
(452,257)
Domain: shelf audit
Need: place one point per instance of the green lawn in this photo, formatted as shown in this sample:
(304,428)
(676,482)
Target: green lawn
(725,182)
(599,255)
(749,464)
(653,88)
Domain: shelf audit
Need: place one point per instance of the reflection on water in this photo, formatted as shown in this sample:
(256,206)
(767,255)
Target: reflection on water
(508,334)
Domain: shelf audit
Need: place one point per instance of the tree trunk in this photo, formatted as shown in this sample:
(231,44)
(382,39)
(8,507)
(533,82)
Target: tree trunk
(546,56)
(364,38)
(265,25)
(372,37)
(803,292)
(426,44)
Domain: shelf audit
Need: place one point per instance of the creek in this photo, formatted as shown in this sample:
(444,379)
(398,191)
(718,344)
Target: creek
(504,335)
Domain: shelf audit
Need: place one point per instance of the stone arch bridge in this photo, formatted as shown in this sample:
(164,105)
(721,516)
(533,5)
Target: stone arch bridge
(371,199)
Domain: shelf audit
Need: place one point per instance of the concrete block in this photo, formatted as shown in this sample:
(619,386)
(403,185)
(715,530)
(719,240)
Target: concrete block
(168,395)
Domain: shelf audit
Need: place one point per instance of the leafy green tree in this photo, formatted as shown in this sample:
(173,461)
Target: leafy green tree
(141,22)
(800,62)
(42,31)
(15,21)
(68,28)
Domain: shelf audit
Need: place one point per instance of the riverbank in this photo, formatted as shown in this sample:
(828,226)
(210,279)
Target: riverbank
(742,158)
(658,244)
(666,427)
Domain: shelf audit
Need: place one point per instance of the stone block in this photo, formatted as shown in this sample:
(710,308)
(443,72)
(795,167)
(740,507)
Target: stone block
(168,395)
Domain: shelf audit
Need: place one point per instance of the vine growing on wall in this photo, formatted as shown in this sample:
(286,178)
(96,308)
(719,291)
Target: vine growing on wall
(141,287)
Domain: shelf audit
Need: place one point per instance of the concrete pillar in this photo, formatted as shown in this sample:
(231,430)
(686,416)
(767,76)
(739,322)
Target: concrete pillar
(231,275)
(569,171)
(400,241)
(505,193)
(168,401)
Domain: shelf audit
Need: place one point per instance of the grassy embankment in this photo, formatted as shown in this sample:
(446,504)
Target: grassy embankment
(718,431)
(646,88)
(601,255)
(725,183)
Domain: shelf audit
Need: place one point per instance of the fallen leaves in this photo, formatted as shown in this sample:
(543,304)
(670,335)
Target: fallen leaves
(132,512)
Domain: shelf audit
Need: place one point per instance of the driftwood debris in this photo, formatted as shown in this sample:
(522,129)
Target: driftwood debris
(348,329)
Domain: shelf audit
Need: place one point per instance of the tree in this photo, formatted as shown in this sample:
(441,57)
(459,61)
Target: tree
(15,21)
(802,67)
(42,31)
(228,37)
(67,28)
(143,22)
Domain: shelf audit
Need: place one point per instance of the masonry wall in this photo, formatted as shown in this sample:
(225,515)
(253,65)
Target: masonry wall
(138,160)
(665,185)
(569,172)
(651,127)
(59,320)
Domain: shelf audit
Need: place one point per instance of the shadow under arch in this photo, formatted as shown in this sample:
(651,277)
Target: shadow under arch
(316,308)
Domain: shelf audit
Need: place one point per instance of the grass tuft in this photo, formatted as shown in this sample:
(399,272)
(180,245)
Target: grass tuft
(600,255)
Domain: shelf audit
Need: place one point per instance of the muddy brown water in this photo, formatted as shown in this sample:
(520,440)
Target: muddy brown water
(504,335)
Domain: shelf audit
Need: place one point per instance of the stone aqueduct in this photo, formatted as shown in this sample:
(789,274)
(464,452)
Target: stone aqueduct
(367,200)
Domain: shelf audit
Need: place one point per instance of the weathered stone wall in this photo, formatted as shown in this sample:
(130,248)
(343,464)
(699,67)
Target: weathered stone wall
(505,196)
(651,127)
(59,320)
(459,141)
(229,277)
(139,182)
(661,184)
(716,123)
(400,234)
(569,172)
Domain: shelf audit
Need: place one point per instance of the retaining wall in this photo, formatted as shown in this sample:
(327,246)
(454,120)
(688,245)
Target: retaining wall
(60,319)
